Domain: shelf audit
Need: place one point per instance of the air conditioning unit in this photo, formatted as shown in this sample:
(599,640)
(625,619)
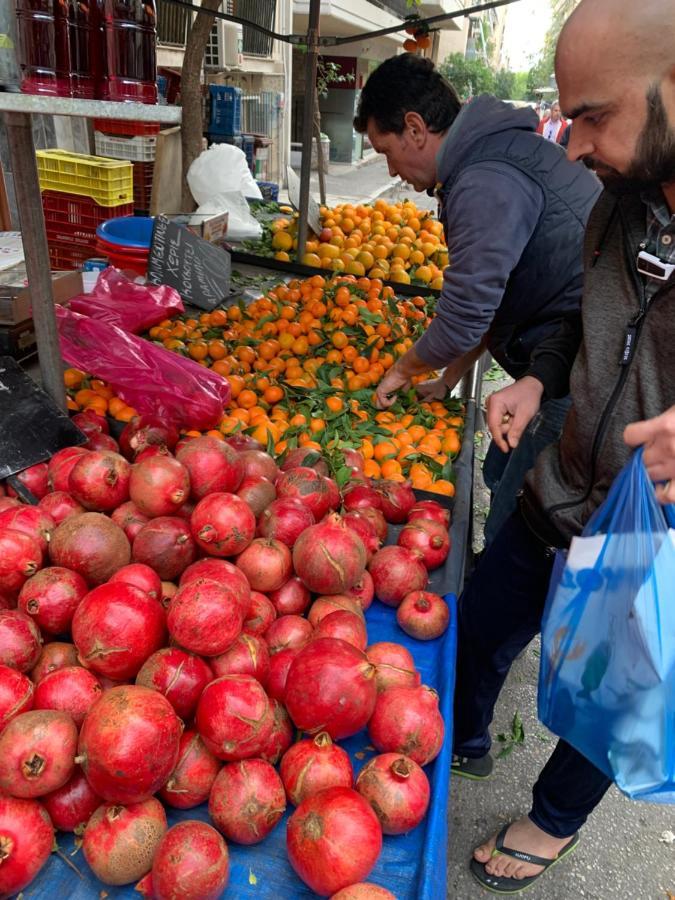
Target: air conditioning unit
(230,39)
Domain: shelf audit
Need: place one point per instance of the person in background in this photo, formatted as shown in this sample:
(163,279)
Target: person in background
(513,211)
(553,127)
(615,65)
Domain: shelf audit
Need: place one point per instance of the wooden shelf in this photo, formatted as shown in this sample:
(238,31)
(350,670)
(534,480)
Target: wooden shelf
(100,109)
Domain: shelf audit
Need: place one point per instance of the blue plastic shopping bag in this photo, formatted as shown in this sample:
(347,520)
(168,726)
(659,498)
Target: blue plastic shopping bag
(607,678)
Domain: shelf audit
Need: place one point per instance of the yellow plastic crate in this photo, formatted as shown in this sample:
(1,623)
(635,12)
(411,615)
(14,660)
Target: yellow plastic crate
(110,182)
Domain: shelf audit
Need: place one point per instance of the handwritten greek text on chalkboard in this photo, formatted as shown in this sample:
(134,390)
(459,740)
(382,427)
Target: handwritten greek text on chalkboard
(198,270)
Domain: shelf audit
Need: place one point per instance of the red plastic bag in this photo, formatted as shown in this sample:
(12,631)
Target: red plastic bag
(153,380)
(133,307)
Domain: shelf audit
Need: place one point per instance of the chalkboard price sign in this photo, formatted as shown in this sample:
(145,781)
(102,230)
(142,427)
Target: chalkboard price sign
(198,270)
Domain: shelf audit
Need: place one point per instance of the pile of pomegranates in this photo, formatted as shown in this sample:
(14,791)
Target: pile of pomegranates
(173,612)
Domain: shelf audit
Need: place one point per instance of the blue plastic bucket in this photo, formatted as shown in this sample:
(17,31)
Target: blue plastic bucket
(127,231)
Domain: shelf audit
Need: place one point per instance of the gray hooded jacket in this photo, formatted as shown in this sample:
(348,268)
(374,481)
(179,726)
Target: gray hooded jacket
(514,210)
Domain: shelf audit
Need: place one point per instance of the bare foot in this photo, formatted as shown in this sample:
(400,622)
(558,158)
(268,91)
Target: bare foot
(525,836)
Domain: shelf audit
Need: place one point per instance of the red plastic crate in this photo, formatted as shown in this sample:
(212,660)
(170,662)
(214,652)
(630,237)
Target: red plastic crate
(124,128)
(68,256)
(143,175)
(74,218)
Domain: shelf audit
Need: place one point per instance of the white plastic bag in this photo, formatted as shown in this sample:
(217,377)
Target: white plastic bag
(220,170)
(241,225)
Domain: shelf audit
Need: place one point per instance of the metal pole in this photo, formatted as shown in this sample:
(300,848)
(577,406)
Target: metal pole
(34,237)
(308,120)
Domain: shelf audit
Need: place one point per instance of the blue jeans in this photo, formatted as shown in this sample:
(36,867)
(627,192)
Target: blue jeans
(500,612)
(504,473)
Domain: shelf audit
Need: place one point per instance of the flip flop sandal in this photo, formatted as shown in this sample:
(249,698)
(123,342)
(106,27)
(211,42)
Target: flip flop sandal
(503,885)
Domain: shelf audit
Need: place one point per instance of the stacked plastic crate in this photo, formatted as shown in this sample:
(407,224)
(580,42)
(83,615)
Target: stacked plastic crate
(79,192)
(225,115)
(133,141)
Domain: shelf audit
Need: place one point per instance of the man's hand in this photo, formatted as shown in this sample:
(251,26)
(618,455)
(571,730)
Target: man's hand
(511,410)
(434,389)
(393,382)
(658,437)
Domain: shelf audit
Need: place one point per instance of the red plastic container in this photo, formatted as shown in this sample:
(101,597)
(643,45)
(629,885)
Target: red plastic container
(43,46)
(71,217)
(143,175)
(131,36)
(68,256)
(124,257)
(121,128)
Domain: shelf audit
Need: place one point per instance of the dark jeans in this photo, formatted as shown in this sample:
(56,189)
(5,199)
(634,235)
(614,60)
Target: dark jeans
(500,612)
(504,473)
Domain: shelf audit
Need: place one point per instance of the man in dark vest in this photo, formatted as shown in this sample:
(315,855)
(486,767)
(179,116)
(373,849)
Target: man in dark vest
(514,212)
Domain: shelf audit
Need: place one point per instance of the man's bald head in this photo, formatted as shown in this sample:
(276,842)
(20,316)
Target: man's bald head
(615,67)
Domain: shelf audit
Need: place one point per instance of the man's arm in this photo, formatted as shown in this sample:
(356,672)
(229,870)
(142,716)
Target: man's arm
(552,361)
(657,435)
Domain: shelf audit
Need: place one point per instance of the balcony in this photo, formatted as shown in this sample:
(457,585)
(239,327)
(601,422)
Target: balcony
(346,17)
(438,7)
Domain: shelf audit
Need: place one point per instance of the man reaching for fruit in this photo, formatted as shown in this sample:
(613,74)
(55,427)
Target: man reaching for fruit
(513,210)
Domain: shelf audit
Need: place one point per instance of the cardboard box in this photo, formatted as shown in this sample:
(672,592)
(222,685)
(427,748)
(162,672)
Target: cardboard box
(15,296)
(212,229)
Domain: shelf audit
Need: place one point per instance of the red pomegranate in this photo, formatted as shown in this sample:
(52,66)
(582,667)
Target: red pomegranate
(306,485)
(292,598)
(191,781)
(312,765)
(35,478)
(281,737)
(394,666)
(266,563)
(222,524)
(20,640)
(248,655)
(364,890)
(191,862)
(280,663)
(37,752)
(360,496)
(260,615)
(90,422)
(159,486)
(288,631)
(71,806)
(20,557)
(144,432)
(242,442)
(116,628)
(397,571)
(234,717)
(219,570)
(366,531)
(152,450)
(408,721)
(397,500)
(363,590)
(285,520)
(16,694)
(141,576)
(305,459)
(61,465)
(72,690)
(100,481)
(344,625)
(120,842)
(330,603)
(247,800)
(329,557)
(129,744)
(26,838)
(32,520)
(101,443)
(59,505)
(55,655)
(430,509)
(179,676)
(8,502)
(397,789)
(51,597)
(333,839)
(258,464)
(330,687)
(428,538)
(205,617)
(257,493)
(423,615)
(91,545)
(213,466)
(166,545)
(130,519)
(354,460)
(334,498)
(376,519)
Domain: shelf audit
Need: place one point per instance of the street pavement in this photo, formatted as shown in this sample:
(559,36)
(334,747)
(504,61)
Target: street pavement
(627,850)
